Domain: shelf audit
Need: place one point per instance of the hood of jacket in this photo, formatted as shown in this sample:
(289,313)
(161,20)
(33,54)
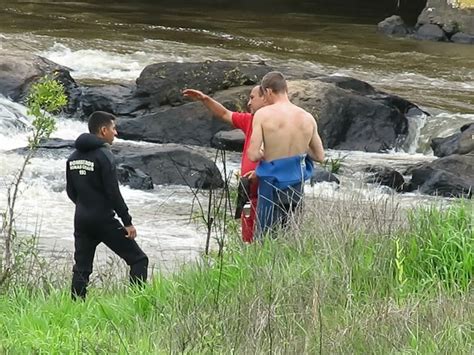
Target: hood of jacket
(87,142)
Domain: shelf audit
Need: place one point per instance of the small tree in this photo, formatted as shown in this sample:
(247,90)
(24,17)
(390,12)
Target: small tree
(46,97)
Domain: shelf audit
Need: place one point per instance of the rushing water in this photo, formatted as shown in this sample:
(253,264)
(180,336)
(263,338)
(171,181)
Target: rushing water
(106,41)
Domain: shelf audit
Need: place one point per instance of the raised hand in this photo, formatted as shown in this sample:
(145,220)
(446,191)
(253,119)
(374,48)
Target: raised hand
(194,94)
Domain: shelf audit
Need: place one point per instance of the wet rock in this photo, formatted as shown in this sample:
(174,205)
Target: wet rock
(357,117)
(431,32)
(191,123)
(451,176)
(170,164)
(52,148)
(135,178)
(348,83)
(387,177)
(162,83)
(229,140)
(57,143)
(458,143)
(446,15)
(167,164)
(17,74)
(117,99)
(322,175)
(463,38)
(393,26)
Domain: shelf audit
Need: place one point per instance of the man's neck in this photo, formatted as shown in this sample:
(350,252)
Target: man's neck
(280,98)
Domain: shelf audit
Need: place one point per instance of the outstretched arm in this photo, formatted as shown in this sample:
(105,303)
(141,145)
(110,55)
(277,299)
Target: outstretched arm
(254,150)
(316,150)
(215,107)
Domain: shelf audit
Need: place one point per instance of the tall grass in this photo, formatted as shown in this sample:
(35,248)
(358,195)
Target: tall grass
(438,250)
(331,285)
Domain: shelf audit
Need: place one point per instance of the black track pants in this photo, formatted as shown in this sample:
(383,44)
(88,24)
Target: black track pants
(111,234)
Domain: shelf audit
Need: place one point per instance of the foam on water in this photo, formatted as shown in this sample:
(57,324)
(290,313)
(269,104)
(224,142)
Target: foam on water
(125,62)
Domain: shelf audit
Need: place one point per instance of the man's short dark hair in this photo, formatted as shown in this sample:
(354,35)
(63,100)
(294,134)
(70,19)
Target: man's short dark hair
(274,81)
(99,119)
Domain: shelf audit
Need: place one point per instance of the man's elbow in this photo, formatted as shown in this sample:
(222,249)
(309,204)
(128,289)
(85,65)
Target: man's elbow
(253,156)
(320,157)
(317,156)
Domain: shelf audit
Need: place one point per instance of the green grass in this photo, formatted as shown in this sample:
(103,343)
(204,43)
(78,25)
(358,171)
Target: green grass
(338,292)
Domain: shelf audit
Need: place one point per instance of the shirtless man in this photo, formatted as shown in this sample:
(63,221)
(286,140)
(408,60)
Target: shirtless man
(291,141)
(244,122)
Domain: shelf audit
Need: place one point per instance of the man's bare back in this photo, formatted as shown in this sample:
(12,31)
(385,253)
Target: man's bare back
(282,130)
(287,130)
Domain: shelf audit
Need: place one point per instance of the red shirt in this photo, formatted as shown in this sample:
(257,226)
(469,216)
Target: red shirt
(244,122)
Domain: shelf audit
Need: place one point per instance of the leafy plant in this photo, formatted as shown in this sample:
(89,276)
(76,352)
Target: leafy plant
(45,97)
(334,164)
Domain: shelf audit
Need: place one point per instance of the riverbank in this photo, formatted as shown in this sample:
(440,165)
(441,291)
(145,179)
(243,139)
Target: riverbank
(111,43)
(374,281)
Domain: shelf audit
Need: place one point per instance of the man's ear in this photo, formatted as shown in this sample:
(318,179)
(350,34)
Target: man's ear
(102,131)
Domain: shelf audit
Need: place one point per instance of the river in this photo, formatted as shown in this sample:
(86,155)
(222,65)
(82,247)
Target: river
(110,42)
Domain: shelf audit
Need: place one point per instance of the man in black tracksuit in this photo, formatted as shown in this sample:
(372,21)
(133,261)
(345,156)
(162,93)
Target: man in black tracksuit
(91,183)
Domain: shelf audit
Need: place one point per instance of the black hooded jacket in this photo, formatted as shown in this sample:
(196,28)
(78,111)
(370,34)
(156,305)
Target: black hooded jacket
(91,183)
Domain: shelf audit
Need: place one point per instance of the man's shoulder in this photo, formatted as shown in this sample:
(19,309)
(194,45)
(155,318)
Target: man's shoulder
(264,112)
(107,152)
(301,111)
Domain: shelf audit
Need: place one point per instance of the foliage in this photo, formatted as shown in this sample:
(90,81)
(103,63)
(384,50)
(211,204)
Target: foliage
(334,165)
(47,95)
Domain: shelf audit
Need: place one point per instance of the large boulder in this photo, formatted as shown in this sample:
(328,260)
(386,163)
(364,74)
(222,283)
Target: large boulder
(191,123)
(385,176)
(352,115)
(450,15)
(229,140)
(393,26)
(117,99)
(170,164)
(135,178)
(463,38)
(162,83)
(458,143)
(430,32)
(451,176)
(56,143)
(141,166)
(17,74)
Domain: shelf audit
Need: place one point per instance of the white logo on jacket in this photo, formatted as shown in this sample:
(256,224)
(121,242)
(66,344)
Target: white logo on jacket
(82,165)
